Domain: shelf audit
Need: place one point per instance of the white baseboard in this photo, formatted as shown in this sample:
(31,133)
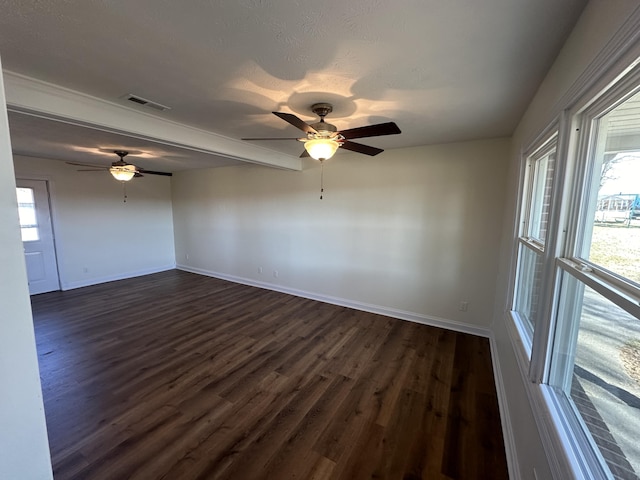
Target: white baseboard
(343,302)
(113,278)
(505,418)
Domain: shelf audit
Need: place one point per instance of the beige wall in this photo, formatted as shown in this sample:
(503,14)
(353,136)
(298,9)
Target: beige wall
(99,237)
(24,449)
(412,229)
(598,24)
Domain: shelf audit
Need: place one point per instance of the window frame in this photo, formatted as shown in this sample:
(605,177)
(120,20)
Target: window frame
(541,147)
(619,55)
(532,162)
(573,180)
(618,289)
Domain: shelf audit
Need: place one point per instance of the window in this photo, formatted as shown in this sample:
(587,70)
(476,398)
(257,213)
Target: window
(595,355)
(576,297)
(538,183)
(27,215)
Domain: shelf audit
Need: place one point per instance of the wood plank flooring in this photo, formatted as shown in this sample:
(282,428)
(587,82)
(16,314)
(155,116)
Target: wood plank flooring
(180,376)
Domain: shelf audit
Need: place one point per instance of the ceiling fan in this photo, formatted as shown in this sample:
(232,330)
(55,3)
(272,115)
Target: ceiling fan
(120,169)
(323,139)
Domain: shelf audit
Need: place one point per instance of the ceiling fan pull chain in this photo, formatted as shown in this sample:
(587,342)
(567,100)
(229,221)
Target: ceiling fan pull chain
(321,178)
(124,192)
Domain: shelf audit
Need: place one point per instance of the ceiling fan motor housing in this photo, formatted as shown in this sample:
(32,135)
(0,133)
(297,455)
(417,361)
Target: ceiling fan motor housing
(323,128)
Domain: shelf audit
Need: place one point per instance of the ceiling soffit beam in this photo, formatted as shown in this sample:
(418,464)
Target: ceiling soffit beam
(34,97)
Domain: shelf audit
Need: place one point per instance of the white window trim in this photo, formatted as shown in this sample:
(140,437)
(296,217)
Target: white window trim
(581,455)
(626,298)
(564,450)
(541,341)
(565,453)
(532,156)
(542,145)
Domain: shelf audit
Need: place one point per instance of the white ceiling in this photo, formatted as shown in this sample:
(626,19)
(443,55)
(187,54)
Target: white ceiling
(444,71)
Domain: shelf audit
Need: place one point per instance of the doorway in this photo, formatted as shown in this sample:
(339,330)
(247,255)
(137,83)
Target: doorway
(37,236)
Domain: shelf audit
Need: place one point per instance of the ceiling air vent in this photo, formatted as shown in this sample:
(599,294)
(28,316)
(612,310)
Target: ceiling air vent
(147,103)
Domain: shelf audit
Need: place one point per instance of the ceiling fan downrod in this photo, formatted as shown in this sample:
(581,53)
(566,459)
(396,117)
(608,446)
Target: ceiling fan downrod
(121,154)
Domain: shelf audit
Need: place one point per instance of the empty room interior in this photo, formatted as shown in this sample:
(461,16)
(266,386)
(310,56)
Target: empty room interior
(320,240)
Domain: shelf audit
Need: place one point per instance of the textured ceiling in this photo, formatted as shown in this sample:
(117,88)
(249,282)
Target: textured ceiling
(444,71)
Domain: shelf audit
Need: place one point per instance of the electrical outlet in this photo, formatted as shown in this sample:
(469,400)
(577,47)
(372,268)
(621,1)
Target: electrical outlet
(186,256)
(85,270)
(275,274)
(464,306)
(260,270)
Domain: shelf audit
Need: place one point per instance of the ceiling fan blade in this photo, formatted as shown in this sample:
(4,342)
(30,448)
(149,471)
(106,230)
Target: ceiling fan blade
(360,148)
(90,170)
(304,154)
(296,122)
(153,172)
(138,175)
(87,165)
(389,128)
(279,138)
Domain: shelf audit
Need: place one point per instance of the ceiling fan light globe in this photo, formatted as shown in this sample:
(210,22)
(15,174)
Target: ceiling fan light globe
(321,148)
(123,173)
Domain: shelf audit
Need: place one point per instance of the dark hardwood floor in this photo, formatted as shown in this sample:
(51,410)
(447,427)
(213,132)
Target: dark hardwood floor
(180,376)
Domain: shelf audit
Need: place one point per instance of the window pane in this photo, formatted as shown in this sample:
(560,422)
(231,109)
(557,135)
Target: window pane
(541,196)
(30,234)
(529,286)
(612,234)
(27,215)
(596,363)
(25,195)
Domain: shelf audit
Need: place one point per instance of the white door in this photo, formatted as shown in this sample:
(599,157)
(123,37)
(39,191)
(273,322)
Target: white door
(37,236)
